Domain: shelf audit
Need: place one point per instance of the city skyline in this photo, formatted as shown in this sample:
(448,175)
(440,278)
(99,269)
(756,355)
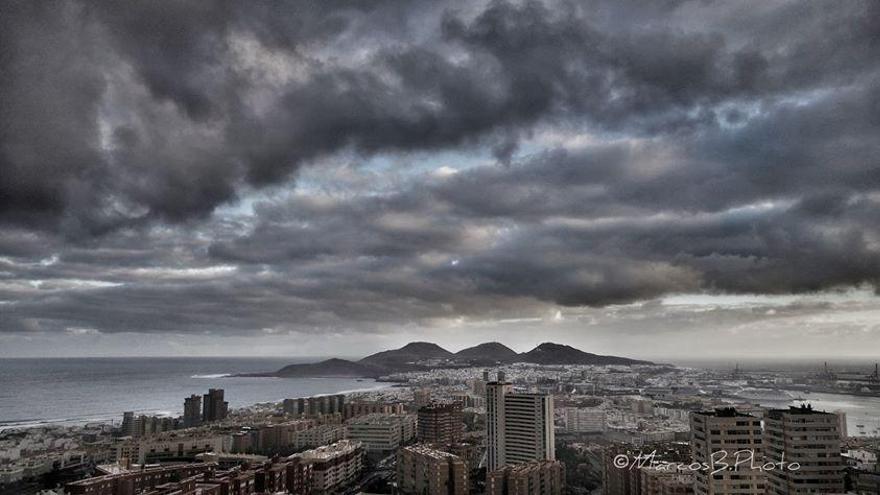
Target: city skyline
(441,423)
(656,180)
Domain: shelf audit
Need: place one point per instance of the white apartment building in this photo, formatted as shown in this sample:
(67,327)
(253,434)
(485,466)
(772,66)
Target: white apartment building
(334,466)
(382,432)
(318,436)
(168,446)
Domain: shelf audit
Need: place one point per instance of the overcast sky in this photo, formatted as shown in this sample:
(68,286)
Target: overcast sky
(650,179)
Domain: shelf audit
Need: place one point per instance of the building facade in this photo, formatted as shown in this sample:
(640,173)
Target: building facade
(519,426)
(214,408)
(720,439)
(355,409)
(333,467)
(530,478)
(315,406)
(440,423)
(319,435)
(495,393)
(137,481)
(192,411)
(584,420)
(422,470)
(655,481)
(382,432)
(168,446)
(808,439)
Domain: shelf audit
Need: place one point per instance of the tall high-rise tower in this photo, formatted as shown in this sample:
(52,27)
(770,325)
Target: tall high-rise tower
(725,435)
(192,411)
(811,440)
(129,424)
(495,393)
(519,426)
(214,408)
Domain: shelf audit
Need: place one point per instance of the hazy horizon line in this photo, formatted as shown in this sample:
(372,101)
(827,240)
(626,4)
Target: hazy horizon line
(659,360)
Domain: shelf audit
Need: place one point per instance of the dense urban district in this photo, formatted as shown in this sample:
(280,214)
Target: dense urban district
(487,420)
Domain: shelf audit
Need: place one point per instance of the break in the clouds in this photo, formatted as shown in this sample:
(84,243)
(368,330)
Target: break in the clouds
(406,168)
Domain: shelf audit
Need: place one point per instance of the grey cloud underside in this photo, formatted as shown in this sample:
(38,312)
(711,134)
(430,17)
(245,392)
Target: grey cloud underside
(122,112)
(726,153)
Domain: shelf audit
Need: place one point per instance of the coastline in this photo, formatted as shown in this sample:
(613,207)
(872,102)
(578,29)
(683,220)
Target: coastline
(112,418)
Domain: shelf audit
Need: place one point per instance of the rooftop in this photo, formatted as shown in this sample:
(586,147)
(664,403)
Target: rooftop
(725,412)
(328,451)
(376,419)
(530,466)
(803,409)
(429,452)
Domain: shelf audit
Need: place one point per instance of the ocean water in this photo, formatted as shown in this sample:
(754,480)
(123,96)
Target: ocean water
(79,390)
(862,413)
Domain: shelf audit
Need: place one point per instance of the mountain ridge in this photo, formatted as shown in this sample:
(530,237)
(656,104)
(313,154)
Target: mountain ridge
(426,355)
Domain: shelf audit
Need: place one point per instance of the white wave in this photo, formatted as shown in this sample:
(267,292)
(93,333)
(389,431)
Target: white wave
(218,375)
(38,423)
(364,389)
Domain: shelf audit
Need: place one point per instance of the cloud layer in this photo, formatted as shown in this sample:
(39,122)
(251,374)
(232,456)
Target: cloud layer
(235,168)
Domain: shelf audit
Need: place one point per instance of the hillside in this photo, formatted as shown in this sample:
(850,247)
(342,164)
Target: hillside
(331,368)
(417,355)
(407,355)
(487,352)
(550,353)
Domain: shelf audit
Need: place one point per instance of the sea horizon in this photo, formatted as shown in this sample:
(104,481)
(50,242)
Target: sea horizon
(157,386)
(710,362)
(50,391)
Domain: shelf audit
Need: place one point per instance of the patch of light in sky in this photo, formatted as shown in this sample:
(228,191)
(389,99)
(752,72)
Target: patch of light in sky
(862,294)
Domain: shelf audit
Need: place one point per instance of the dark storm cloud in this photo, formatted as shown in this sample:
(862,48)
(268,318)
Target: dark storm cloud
(639,149)
(541,231)
(87,145)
